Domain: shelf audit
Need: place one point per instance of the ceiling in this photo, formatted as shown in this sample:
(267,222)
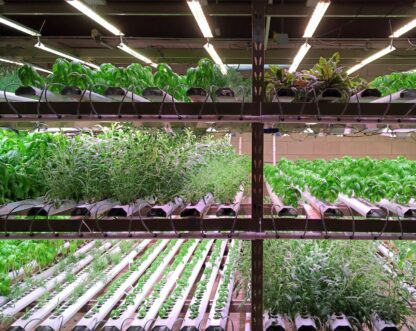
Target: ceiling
(165,31)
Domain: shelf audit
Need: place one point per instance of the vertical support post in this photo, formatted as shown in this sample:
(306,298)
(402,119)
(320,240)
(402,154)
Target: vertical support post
(257,142)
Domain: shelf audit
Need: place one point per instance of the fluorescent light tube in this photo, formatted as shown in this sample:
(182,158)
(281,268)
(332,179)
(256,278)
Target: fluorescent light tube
(135,54)
(371,58)
(214,55)
(405,28)
(200,18)
(316,17)
(2,59)
(95,17)
(303,50)
(18,26)
(67,56)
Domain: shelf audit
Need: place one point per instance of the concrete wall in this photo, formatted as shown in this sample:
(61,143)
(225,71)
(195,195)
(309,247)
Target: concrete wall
(299,146)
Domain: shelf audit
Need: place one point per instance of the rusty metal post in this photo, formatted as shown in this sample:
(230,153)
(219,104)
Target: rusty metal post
(257,145)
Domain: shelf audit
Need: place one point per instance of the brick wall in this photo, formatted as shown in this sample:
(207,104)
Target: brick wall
(299,146)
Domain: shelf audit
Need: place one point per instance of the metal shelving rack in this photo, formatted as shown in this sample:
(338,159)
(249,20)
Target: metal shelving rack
(256,222)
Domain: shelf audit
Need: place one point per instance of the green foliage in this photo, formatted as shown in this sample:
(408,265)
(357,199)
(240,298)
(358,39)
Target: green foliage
(9,79)
(23,156)
(327,73)
(394,82)
(30,77)
(325,277)
(17,254)
(364,178)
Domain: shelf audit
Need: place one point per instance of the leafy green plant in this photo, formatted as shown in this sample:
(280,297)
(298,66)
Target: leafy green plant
(394,82)
(9,78)
(30,77)
(364,178)
(324,277)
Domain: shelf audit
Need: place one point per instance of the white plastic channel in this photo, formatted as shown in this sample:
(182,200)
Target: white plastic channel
(14,306)
(165,290)
(188,322)
(92,321)
(55,322)
(49,272)
(221,323)
(118,323)
(41,311)
(177,308)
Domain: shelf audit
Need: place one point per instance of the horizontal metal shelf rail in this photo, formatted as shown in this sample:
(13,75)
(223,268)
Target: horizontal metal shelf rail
(217,112)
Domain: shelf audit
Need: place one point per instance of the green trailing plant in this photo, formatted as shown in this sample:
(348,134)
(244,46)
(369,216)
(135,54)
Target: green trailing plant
(325,277)
(394,82)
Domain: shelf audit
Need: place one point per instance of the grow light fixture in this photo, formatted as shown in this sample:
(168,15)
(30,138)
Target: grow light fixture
(303,50)
(135,54)
(316,17)
(214,55)
(18,26)
(94,16)
(405,28)
(2,59)
(196,9)
(67,56)
(371,58)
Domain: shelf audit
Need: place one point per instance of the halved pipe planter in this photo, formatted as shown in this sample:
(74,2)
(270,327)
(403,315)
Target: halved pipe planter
(231,210)
(327,210)
(192,324)
(402,96)
(143,324)
(280,208)
(76,94)
(116,324)
(155,94)
(94,209)
(165,210)
(50,209)
(197,94)
(36,94)
(35,292)
(198,209)
(361,207)
(121,94)
(273,322)
(305,323)
(397,209)
(284,95)
(19,207)
(66,311)
(382,325)
(127,210)
(225,94)
(330,95)
(365,96)
(167,324)
(101,309)
(11,97)
(218,315)
(339,322)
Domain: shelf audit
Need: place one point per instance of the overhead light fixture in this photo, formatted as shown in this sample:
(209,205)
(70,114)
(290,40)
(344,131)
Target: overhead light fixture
(405,28)
(2,59)
(94,16)
(135,54)
(371,58)
(67,56)
(196,9)
(303,50)
(18,26)
(214,55)
(316,17)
